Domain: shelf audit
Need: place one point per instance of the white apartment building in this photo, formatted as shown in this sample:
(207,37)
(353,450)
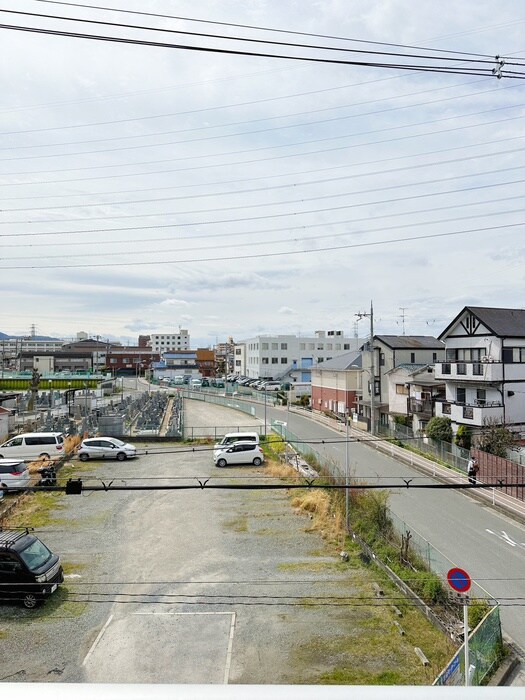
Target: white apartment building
(290,357)
(162,342)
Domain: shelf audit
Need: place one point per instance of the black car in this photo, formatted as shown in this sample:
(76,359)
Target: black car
(29,571)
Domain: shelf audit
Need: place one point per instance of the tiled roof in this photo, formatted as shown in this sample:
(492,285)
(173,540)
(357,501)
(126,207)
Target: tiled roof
(411,342)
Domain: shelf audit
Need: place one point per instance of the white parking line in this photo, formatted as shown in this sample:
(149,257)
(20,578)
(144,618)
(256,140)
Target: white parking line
(99,637)
(230,636)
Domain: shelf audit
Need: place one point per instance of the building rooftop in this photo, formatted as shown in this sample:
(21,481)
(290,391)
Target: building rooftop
(411,342)
(501,322)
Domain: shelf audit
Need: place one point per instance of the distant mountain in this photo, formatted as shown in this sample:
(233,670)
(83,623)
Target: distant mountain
(4,336)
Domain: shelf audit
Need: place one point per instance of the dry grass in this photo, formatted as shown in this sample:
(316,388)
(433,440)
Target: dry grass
(71,442)
(326,520)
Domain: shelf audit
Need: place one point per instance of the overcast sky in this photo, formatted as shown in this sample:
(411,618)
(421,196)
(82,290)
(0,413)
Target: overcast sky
(143,189)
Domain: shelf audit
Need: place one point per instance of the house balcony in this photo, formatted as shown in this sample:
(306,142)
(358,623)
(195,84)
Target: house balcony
(469,371)
(470,414)
(419,407)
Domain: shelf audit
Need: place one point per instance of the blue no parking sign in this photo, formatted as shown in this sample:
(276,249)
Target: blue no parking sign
(459,580)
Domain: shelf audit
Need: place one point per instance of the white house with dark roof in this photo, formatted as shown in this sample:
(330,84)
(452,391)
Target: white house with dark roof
(484,368)
(391,351)
(412,393)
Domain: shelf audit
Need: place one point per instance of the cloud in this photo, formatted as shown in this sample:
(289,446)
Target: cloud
(286,311)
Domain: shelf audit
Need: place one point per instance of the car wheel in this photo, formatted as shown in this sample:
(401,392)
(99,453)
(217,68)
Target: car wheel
(44,455)
(29,601)
(121,456)
(257,461)
(1,456)
(222,463)
(83,457)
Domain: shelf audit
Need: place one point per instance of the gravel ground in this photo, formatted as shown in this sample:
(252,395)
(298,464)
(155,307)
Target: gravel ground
(192,586)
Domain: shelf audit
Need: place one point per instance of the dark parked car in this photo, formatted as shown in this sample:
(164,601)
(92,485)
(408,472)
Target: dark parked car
(29,571)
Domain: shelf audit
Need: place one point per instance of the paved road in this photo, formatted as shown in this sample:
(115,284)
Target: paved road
(489,545)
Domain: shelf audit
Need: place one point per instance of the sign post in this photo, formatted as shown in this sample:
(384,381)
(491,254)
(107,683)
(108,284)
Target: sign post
(460,581)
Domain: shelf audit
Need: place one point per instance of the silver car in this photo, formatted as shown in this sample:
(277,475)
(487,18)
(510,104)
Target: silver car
(14,474)
(105,448)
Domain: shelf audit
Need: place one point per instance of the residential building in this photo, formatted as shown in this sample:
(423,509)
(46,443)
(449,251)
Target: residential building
(291,357)
(412,392)
(224,357)
(484,368)
(390,351)
(164,342)
(205,362)
(334,384)
(130,359)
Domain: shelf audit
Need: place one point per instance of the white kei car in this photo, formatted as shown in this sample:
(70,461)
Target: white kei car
(239,453)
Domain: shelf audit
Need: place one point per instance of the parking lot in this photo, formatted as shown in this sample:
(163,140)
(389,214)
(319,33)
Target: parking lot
(159,578)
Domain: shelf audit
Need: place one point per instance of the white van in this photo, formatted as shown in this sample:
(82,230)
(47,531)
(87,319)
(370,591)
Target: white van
(33,446)
(230,438)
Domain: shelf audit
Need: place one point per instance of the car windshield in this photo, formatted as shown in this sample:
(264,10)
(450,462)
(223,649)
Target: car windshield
(117,442)
(35,555)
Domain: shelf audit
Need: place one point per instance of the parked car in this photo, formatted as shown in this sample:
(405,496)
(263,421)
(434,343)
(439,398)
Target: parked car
(196,383)
(240,453)
(271,386)
(29,571)
(30,446)
(230,438)
(105,448)
(14,474)
(205,382)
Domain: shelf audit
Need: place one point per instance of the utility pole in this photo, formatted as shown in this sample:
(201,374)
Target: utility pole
(372,368)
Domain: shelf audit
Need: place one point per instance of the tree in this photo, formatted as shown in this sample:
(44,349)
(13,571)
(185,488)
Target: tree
(495,438)
(440,428)
(464,437)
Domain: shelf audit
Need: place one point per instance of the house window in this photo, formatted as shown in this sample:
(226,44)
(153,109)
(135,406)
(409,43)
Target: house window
(275,346)
(401,389)
(381,359)
(302,346)
(284,360)
(481,397)
(284,346)
(346,346)
(264,361)
(113,361)
(338,346)
(265,346)
(275,360)
(434,357)
(412,357)
(461,395)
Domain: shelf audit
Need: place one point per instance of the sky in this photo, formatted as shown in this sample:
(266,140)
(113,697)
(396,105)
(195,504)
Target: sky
(146,189)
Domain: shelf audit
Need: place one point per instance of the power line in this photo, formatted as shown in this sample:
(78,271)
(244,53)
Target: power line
(294,185)
(301,251)
(252,243)
(423,68)
(265,205)
(230,235)
(208,166)
(253,121)
(249,26)
(456,57)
